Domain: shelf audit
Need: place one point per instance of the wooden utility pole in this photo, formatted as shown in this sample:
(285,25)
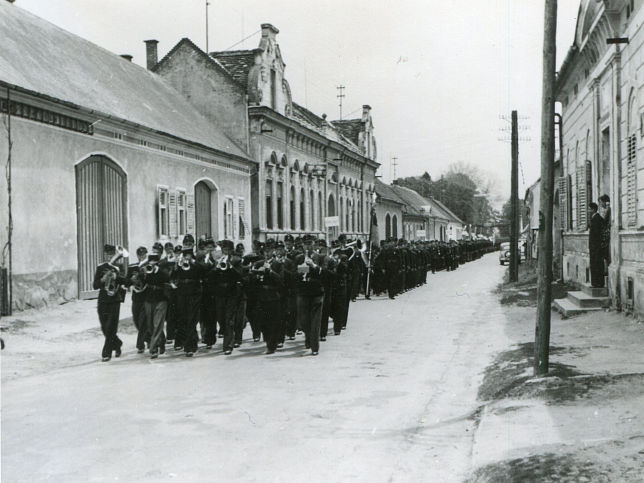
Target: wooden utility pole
(514,202)
(544,267)
(207,5)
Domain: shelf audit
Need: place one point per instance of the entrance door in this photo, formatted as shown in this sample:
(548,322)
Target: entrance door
(101,204)
(203,210)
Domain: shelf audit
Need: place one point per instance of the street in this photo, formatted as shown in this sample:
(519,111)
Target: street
(391,399)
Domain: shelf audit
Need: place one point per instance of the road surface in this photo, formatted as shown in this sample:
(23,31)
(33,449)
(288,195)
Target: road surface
(393,398)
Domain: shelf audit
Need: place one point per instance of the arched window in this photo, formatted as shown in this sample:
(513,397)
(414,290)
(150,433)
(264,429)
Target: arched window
(302,219)
(387,226)
(292,208)
(269,204)
(331,206)
(394,226)
(280,205)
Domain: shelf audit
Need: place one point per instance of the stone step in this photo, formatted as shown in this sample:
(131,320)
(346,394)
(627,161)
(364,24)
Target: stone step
(594,292)
(582,299)
(568,309)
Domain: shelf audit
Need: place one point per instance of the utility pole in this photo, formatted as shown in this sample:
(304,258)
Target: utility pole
(340,96)
(544,267)
(514,203)
(394,164)
(207,4)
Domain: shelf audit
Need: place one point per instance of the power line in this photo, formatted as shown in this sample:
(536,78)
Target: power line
(243,40)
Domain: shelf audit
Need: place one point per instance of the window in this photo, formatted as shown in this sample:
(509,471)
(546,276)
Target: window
(241,210)
(162,212)
(311,210)
(394,226)
(273,89)
(292,208)
(269,204)
(387,227)
(302,218)
(631,182)
(280,206)
(181,212)
(320,212)
(228,219)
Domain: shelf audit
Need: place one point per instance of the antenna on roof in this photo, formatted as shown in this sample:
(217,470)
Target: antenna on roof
(340,96)
(207,4)
(394,164)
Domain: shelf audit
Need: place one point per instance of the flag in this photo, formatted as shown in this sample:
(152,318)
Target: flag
(373,229)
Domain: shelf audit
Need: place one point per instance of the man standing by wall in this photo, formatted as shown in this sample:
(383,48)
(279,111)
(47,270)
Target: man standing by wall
(595,247)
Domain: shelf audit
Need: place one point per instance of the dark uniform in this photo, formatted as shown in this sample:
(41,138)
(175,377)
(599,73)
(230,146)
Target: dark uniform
(111,295)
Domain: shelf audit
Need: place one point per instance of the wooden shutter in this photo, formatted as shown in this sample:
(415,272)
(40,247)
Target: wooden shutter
(563,188)
(582,201)
(172,213)
(241,208)
(631,182)
(190,213)
(162,211)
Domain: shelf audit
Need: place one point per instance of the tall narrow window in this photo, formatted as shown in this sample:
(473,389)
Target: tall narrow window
(280,206)
(241,210)
(181,212)
(387,226)
(273,89)
(269,204)
(394,226)
(229,232)
(311,210)
(162,213)
(631,182)
(302,217)
(292,209)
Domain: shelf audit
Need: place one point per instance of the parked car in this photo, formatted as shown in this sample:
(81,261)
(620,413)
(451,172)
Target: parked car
(504,253)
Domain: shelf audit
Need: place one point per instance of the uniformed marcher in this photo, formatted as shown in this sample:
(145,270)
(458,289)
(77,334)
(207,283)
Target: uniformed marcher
(156,275)
(137,281)
(187,278)
(109,281)
(208,298)
(310,295)
(228,294)
(265,278)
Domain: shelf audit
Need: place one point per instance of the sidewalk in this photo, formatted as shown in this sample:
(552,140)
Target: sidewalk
(53,338)
(584,422)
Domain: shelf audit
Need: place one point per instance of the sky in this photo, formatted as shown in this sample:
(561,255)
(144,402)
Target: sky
(439,75)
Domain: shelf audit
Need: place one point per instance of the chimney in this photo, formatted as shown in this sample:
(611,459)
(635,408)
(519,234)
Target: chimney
(151,53)
(366,109)
(127,57)
(269,31)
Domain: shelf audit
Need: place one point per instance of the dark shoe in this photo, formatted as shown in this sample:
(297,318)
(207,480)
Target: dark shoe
(270,351)
(209,346)
(228,352)
(190,354)
(337,332)
(161,350)
(280,345)
(307,345)
(140,351)
(299,332)
(117,352)
(237,344)
(154,356)
(105,359)
(291,337)
(178,347)
(323,339)
(256,339)
(169,341)
(314,353)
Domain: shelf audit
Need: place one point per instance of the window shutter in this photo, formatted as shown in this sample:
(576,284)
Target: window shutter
(582,202)
(631,182)
(172,211)
(241,208)
(562,187)
(162,205)
(190,213)
(233,223)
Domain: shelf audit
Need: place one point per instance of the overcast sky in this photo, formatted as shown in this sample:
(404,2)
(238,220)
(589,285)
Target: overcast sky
(438,74)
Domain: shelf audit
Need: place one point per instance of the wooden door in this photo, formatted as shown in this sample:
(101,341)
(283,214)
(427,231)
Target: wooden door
(203,210)
(101,208)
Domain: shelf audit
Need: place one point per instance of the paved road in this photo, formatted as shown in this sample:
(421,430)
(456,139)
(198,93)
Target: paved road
(391,399)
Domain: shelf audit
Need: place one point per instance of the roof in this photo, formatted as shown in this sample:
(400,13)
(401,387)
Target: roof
(411,198)
(449,212)
(386,192)
(350,129)
(40,57)
(237,63)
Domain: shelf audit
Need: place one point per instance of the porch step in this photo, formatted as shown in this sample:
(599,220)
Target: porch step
(583,300)
(567,308)
(594,292)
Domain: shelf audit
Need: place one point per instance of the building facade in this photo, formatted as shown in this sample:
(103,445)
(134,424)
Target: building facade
(389,212)
(102,151)
(601,89)
(311,175)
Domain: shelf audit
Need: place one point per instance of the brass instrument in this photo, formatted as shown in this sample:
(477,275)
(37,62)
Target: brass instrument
(223,264)
(120,253)
(185,263)
(109,281)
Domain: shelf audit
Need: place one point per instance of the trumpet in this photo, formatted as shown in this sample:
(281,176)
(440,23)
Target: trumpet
(185,263)
(223,263)
(151,268)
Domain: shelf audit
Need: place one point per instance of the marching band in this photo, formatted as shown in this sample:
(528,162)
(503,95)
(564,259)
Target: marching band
(188,293)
